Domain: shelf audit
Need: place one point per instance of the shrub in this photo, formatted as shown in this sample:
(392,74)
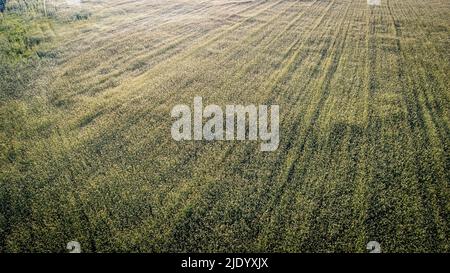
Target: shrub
(81,15)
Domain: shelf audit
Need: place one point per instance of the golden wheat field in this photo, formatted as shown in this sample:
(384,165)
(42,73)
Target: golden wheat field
(86,92)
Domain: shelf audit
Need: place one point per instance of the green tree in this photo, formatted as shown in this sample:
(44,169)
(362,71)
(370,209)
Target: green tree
(2,5)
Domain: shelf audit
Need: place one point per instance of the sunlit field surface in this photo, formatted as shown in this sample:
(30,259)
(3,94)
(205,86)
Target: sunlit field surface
(86,151)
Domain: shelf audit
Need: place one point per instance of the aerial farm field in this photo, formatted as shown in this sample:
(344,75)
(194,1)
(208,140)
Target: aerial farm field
(86,153)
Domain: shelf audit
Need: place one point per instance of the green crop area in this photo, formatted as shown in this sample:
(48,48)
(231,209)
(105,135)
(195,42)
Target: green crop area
(86,92)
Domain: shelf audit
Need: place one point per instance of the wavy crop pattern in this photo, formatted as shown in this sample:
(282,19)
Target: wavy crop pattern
(87,155)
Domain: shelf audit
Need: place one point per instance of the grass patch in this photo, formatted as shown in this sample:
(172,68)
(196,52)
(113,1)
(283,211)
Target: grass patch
(364,152)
